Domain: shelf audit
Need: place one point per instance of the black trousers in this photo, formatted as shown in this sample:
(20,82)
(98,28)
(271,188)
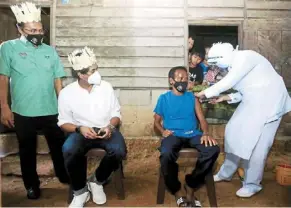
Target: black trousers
(170,148)
(26,130)
(75,149)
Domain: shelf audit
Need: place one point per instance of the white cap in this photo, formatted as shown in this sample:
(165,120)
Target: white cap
(82,58)
(26,12)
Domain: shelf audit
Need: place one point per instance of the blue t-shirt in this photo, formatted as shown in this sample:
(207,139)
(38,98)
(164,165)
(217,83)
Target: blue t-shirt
(178,113)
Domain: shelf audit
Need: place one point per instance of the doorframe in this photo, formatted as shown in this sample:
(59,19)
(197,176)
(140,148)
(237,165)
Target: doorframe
(238,23)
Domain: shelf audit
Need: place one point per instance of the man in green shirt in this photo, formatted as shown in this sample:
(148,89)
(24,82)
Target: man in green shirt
(33,70)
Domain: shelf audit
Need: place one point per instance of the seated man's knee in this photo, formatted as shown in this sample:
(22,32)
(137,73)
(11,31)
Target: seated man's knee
(167,154)
(116,150)
(214,151)
(71,147)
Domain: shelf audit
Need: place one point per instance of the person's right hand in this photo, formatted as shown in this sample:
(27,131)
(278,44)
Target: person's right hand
(167,133)
(220,99)
(7,117)
(88,132)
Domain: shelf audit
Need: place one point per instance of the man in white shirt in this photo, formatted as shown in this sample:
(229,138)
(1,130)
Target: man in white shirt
(83,105)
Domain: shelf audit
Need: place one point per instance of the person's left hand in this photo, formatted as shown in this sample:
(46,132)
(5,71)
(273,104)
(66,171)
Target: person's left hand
(206,139)
(107,134)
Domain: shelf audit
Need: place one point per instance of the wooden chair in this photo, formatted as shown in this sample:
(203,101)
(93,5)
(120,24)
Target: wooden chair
(117,176)
(188,153)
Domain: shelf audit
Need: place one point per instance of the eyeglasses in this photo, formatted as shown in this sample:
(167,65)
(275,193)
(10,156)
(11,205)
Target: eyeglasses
(35,31)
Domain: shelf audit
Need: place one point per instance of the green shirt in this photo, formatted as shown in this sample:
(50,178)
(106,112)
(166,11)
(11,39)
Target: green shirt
(32,71)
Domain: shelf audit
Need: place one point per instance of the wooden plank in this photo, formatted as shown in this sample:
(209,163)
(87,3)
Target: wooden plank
(129,72)
(120,12)
(93,22)
(216,3)
(129,51)
(134,62)
(119,41)
(270,46)
(121,32)
(250,40)
(270,24)
(78,3)
(144,3)
(262,5)
(286,42)
(194,13)
(42,3)
(131,82)
(268,14)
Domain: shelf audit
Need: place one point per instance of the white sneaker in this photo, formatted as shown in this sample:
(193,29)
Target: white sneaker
(216,178)
(80,200)
(246,193)
(98,194)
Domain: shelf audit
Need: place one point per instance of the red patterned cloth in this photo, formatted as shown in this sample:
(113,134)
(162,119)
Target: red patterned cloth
(211,75)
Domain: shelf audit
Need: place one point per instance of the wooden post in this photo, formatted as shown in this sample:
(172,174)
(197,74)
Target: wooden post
(53,23)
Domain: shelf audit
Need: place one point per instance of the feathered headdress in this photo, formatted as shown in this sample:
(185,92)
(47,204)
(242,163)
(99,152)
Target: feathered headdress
(26,12)
(82,58)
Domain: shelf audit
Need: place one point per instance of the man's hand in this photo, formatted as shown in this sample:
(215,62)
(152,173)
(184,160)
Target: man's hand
(206,139)
(7,117)
(220,99)
(88,132)
(107,134)
(167,133)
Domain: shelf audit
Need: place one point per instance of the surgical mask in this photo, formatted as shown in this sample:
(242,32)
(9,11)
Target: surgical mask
(181,86)
(36,39)
(95,78)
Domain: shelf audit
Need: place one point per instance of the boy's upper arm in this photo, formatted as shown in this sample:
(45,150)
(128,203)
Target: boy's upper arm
(5,59)
(58,66)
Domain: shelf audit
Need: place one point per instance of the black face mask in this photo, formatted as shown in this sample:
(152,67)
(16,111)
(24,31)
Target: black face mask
(35,39)
(181,86)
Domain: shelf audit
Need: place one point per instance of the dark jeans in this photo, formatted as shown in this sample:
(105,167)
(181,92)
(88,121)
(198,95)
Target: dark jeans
(75,149)
(26,131)
(170,148)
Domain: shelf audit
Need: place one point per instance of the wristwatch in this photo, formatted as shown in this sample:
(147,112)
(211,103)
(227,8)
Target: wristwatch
(77,130)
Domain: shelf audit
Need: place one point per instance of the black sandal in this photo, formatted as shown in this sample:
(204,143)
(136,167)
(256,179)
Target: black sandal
(182,202)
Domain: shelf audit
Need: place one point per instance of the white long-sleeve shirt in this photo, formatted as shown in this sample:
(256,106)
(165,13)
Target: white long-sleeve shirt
(93,109)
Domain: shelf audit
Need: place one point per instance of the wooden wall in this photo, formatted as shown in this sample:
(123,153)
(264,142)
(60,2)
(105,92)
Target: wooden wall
(136,42)
(7,25)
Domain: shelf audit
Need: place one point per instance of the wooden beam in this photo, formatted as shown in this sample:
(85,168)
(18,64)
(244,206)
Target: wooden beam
(216,3)
(130,72)
(268,14)
(144,3)
(117,51)
(150,62)
(120,32)
(202,13)
(53,23)
(268,5)
(120,12)
(93,22)
(120,41)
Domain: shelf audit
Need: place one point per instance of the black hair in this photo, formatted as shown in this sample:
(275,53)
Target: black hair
(174,69)
(199,54)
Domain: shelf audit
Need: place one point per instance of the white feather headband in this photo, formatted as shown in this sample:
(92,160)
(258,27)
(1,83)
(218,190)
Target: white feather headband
(26,12)
(82,58)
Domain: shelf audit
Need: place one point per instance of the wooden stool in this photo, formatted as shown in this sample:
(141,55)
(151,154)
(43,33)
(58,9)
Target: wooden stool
(188,153)
(117,176)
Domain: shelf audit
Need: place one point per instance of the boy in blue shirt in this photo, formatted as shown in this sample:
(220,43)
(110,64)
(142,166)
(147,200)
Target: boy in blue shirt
(178,110)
